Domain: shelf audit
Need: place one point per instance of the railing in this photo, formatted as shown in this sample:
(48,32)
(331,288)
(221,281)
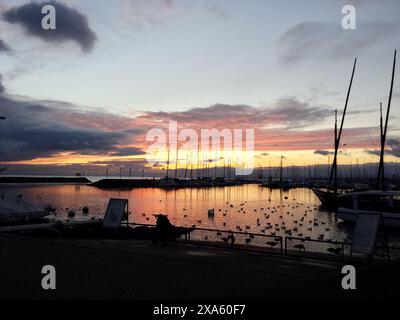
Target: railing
(231,239)
(339,248)
(301,247)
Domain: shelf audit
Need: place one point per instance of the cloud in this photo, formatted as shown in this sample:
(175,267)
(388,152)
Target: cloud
(287,113)
(4,47)
(2,88)
(324,40)
(127,151)
(71,24)
(45,129)
(323,152)
(36,129)
(392,148)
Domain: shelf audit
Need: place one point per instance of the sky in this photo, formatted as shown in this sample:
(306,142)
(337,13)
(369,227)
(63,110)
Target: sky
(86,94)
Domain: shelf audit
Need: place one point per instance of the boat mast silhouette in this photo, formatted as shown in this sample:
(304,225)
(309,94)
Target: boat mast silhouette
(381,169)
(333,173)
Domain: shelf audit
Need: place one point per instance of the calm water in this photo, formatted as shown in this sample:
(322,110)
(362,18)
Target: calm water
(250,207)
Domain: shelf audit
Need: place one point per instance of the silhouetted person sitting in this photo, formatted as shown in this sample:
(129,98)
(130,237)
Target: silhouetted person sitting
(164,228)
(166,231)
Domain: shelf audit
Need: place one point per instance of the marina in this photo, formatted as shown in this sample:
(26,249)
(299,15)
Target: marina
(256,217)
(215,152)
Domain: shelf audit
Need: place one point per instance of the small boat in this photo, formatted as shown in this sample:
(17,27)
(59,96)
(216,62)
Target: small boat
(18,210)
(384,203)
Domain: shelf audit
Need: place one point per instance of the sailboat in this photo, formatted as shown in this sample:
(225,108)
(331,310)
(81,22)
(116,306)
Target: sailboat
(168,182)
(18,210)
(329,197)
(381,202)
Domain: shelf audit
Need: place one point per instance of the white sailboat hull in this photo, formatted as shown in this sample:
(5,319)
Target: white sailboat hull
(390,219)
(18,210)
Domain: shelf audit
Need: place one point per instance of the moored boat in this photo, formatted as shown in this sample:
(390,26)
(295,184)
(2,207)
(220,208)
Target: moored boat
(18,210)
(384,203)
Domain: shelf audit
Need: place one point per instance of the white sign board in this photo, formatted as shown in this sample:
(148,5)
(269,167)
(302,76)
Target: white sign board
(115,212)
(365,232)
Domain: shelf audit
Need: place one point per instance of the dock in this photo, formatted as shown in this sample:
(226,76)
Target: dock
(169,183)
(14,179)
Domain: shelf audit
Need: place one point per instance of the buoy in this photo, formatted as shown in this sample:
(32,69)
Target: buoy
(71,213)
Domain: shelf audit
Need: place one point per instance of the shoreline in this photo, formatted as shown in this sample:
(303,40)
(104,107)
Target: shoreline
(17,179)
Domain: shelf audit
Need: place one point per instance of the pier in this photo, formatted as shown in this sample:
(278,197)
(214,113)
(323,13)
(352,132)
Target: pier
(169,183)
(17,179)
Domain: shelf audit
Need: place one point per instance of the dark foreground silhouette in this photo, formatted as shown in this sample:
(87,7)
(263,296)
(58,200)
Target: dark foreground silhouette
(166,232)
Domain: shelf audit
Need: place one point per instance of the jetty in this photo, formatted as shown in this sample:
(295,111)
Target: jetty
(124,183)
(18,179)
(170,183)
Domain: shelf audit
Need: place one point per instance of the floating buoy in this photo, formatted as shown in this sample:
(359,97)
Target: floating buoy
(71,213)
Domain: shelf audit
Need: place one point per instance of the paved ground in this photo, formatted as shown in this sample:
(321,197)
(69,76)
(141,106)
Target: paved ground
(110,269)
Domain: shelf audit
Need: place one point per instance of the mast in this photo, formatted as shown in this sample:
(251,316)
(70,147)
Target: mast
(336,148)
(191,167)
(187,164)
(176,161)
(357,171)
(224,167)
(382,146)
(381,173)
(337,139)
(168,162)
(198,161)
(215,165)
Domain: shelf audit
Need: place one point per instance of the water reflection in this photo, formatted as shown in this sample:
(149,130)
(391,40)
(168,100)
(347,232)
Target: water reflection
(249,207)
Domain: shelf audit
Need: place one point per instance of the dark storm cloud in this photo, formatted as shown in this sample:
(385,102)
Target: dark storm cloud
(4,47)
(35,130)
(71,24)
